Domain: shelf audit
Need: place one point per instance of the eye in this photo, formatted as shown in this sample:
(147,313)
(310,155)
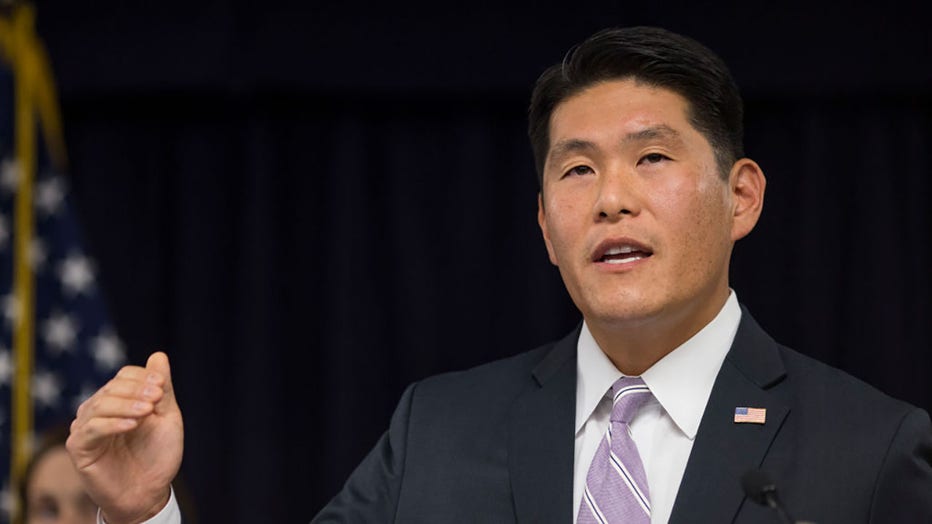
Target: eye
(653,158)
(45,509)
(579,170)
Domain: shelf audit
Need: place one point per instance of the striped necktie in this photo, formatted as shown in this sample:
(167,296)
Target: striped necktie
(616,485)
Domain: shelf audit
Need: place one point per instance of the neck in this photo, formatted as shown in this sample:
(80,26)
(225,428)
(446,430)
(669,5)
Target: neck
(635,346)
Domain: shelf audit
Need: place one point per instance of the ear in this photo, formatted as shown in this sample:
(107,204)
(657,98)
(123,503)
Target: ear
(542,222)
(747,184)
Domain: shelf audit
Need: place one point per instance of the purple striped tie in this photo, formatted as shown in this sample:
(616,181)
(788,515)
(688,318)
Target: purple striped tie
(616,485)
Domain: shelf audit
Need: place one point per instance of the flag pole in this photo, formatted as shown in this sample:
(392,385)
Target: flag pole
(24,72)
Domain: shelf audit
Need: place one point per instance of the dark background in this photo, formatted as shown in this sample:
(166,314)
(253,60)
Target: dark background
(311,206)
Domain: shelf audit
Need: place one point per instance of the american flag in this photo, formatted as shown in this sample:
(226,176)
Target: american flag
(750,415)
(75,347)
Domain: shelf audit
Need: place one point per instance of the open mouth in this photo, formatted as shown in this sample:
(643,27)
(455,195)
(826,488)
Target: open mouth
(625,253)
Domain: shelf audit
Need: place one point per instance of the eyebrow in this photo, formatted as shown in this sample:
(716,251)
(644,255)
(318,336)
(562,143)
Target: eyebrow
(653,132)
(572,145)
(576,145)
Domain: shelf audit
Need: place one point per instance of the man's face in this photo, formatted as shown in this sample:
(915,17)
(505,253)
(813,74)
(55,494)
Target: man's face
(634,210)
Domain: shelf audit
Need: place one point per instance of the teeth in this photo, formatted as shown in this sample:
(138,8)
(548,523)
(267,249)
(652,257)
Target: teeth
(623,260)
(620,250)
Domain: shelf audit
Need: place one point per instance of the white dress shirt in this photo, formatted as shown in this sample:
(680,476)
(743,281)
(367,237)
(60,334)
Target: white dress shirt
(665,427)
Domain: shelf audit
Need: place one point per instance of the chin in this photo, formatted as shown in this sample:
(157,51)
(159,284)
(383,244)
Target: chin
(630,312)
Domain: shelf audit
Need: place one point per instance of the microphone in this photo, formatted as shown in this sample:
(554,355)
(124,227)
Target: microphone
(759,487)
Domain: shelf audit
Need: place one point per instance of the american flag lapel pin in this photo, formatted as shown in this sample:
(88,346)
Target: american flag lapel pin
(745,415)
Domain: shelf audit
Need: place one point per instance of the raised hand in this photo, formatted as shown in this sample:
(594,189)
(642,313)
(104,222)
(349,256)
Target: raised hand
(127,441)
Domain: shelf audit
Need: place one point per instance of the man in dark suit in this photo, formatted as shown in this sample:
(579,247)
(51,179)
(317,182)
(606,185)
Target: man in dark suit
(657,404)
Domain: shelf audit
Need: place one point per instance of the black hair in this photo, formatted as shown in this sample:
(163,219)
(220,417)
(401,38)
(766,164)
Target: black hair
(655,57)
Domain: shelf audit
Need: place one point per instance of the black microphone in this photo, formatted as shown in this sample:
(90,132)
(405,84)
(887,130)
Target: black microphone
(759,487)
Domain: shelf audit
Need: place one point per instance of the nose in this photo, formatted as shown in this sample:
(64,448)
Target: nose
(618,195)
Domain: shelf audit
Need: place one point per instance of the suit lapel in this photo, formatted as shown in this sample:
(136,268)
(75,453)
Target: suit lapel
(723,451)
(541,439)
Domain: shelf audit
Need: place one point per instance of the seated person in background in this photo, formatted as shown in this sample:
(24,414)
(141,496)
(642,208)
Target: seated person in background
(51,492)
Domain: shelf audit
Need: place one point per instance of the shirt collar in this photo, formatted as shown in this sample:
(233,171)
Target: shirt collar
(681,381)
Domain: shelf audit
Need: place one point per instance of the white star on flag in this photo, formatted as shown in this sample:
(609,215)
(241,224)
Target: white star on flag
(10,307)
(77,274)
(6,501)
(9,175)
(107,351)
(60,331)
(45,388)
(50,194)
(6,366)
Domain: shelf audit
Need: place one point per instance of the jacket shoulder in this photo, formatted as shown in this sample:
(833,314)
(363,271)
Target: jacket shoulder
(848,433)
(829,387)
(489,382)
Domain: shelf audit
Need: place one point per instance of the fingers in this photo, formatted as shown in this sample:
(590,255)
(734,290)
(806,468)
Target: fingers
(109,406)
(86,434)
(158,365)
(129,388)
(121,404)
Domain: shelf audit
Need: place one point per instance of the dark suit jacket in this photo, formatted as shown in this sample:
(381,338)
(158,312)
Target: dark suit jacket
(496,444)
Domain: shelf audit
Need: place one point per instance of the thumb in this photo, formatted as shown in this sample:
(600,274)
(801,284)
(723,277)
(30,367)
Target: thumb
(158,363)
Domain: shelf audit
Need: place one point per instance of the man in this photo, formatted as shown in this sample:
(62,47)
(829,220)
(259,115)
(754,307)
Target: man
(654,408)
